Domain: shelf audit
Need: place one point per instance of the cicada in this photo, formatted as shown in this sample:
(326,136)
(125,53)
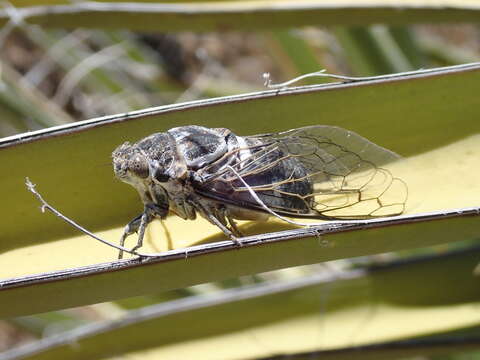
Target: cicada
(318,172)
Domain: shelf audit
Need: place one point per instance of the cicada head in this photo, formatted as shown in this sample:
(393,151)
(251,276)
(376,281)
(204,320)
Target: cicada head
(130,163)
(153,159)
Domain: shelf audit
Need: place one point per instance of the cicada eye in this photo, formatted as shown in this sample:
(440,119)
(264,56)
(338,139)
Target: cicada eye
(139,166)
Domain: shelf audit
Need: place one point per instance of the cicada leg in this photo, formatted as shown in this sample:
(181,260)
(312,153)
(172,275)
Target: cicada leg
(214,218)
(130,228)
(138,224)
(233,225)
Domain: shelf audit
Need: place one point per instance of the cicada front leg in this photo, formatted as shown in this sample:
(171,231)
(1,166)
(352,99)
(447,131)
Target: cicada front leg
(139,225)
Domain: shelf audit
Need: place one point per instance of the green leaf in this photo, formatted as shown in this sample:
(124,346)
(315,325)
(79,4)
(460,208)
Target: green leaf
(244,15)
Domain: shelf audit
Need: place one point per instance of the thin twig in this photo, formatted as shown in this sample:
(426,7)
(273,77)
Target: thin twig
(346,79)
(46,206)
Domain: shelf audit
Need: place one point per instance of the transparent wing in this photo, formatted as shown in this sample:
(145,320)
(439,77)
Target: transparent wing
(317,171)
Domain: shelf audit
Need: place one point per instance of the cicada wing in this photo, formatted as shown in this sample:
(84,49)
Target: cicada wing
(316,171)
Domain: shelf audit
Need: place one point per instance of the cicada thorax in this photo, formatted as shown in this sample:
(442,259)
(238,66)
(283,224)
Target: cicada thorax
(198,146)
(192,147)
